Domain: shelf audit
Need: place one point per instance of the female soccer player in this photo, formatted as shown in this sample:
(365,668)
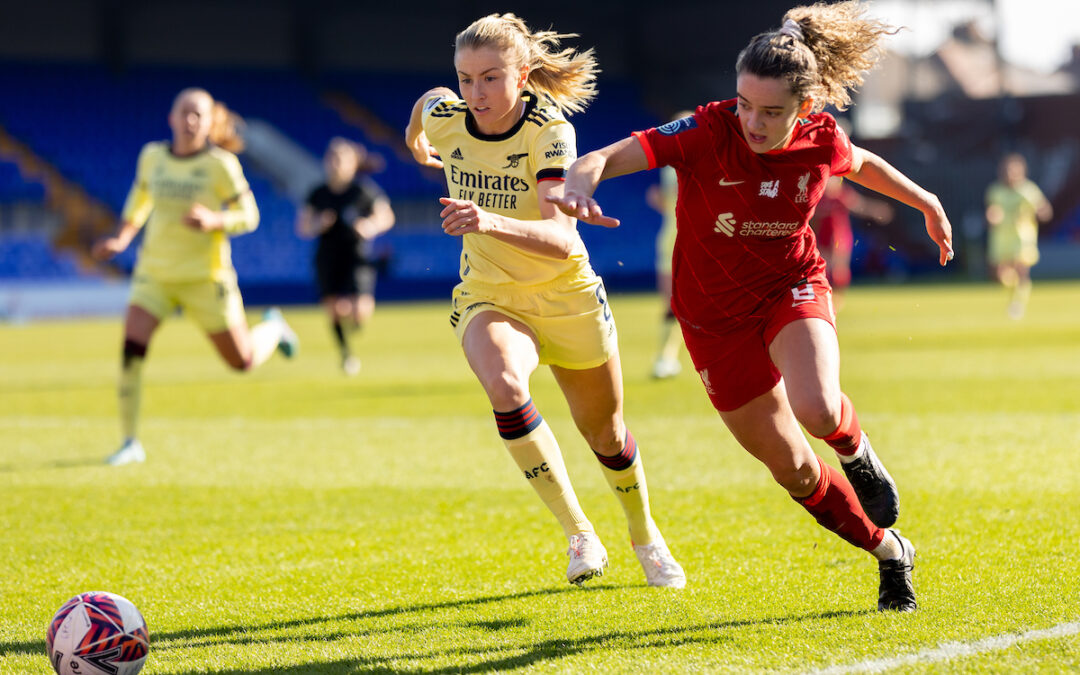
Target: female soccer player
(192,196)
(1014,207)
(749,285)
(346,213)
(528,295)
(662,198)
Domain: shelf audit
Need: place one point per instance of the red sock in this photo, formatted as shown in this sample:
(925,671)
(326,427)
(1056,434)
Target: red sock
(834,505)
(845,440)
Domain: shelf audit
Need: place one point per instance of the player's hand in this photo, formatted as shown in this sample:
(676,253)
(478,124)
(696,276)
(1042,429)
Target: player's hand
(940,230)
(106,249)
(585,209)
(203,219)
(327,217)
(462,216)
(424,152)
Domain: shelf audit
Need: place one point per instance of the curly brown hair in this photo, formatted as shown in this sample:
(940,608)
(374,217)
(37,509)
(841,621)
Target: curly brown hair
(823,50)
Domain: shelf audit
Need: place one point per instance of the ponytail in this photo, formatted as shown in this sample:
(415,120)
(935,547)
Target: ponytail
(823,50)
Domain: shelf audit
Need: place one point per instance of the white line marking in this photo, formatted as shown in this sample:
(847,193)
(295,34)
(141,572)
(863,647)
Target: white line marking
(947,651)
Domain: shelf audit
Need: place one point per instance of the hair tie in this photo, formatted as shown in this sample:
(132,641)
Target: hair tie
(792,29)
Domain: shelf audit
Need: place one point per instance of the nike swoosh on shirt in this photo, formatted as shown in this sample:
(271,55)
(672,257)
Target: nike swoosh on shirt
(730,182)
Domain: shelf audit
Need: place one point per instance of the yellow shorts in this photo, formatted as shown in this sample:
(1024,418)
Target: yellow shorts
(214,305)
(572,323)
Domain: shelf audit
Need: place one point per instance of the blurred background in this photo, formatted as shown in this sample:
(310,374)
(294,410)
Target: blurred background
(85,83)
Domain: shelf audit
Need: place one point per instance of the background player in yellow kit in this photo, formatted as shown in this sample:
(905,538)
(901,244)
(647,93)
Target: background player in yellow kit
(1014,207)
(528,295)
(192,196)
(663,197)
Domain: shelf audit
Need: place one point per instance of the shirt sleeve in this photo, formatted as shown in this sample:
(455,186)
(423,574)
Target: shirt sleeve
(554,150)
(675,143)
(241,214)
(840,164)
(437,116)
(139,202)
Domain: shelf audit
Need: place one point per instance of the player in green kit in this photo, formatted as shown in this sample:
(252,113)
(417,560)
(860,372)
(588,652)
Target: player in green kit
(528,295)
(191,195)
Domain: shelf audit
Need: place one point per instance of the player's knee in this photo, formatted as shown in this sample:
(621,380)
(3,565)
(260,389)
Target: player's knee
(818,414)
(603,439)
(796,477)
(506,390)
(242,364)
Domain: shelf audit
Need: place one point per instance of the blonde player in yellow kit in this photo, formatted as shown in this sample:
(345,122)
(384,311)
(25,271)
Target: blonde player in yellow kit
(528,295)
(192,196)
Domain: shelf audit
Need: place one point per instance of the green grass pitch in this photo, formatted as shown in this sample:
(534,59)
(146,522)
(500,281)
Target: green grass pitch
(293,520)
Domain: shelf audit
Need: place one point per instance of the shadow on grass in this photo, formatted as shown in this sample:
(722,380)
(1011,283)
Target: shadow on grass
(534,653)
(73,463)
(243,634)
(493,658)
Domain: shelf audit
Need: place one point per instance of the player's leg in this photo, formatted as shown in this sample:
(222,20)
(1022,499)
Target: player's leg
(1022,291)
(139,327)
(595,397)
(218,308)
(767,428)
(503,354)
(807,354)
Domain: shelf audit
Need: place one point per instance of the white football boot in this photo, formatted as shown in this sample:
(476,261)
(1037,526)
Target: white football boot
(588,558)
(289,343)
(661,568)
(129,453)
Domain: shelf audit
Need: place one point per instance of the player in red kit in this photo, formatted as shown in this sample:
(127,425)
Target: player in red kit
(749,286)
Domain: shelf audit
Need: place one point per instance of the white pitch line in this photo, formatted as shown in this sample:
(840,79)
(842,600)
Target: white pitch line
(947,651)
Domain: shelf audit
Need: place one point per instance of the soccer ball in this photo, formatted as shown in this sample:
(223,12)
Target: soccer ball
(97,633)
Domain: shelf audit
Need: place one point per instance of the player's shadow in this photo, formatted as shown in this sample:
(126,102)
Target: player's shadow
(72,463)
(520,655)
(533,653)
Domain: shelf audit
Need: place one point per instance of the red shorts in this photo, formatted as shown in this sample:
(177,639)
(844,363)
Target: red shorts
(735,366)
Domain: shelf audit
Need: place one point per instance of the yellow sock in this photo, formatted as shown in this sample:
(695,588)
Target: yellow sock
(130,389)
(537,454)
(625,473)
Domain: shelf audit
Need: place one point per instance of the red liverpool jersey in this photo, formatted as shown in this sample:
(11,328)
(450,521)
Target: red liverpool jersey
(743,217)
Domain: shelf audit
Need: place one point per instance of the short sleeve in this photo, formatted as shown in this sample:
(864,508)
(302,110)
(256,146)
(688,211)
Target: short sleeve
(840,164)
(554,150)
(676,143)
(139,202)
(231,183)
(437,115)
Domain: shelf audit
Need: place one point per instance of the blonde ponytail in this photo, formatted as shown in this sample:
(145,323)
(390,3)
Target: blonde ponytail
(225,129)
(823,50)
(566,76)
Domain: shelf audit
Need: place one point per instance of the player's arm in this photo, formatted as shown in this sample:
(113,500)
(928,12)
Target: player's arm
(238,215)
(555,236)
(618,159)
(381,219)
(874,173)
(415,138)
(137,208)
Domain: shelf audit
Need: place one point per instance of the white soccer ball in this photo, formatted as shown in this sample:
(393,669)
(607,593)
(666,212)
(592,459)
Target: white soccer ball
(97,633)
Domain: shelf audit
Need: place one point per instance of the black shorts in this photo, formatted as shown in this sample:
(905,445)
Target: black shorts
(338,278)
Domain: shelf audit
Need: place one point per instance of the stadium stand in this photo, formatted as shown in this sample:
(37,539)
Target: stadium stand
(89,123)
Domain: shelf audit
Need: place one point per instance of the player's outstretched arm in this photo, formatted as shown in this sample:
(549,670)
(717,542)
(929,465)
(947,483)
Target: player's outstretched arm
(618,159)
(423,152)
(107,248)
(873,172)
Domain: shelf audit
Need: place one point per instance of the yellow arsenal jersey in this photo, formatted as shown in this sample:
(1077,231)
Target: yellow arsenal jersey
(165,187)
(500,174)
